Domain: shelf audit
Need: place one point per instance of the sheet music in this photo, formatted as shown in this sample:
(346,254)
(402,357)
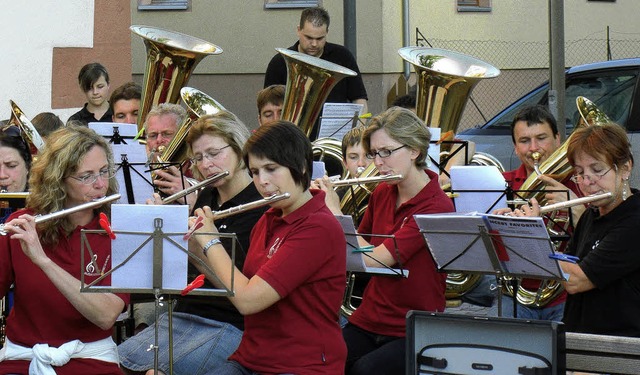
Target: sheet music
(107,129)
(137,272)
(337,119)
(521,244)
(472,177)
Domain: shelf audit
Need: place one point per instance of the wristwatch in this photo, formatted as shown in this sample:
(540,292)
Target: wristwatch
(205,248)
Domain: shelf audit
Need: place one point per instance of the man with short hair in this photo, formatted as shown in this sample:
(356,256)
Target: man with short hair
(312,40)
(125,103)
(534,130)
(269,102)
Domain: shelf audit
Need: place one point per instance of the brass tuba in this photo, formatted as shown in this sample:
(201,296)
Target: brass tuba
(27,129)
(171,58)
(557,165)
(309,82)
(445,80)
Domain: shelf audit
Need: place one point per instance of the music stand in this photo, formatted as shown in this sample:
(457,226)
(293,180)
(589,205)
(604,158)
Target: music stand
(162,245)
(490,244)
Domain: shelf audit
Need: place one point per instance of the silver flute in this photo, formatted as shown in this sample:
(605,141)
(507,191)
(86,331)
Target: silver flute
(366,180)
(249,206)
(68,211)
(574,202)
(191,189)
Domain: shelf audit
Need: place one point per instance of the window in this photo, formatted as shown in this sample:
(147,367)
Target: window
(473,5)
(163,4)
(279,4)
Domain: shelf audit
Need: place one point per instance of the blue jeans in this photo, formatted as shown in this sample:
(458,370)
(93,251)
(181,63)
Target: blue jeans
(233,368)
(553,313)
(199,345)
(370,353)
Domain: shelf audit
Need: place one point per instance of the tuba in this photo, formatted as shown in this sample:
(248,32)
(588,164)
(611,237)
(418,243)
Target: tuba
(309,82)
(445,80)
(30,134)
(557,165)
(171,58)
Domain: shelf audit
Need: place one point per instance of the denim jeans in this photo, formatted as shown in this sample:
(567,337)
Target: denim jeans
(553,313)
(199,345)
(370,353)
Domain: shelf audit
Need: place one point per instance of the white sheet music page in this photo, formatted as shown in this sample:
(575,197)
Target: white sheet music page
(137,272)
(337,119)
(466,178)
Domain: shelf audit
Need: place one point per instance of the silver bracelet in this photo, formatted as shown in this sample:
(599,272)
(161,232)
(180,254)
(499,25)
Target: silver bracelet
(205,248)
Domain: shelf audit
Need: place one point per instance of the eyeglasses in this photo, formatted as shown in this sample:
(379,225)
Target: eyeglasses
(90,178)
(579,178)
(165,134)
(210,154)
(384,153)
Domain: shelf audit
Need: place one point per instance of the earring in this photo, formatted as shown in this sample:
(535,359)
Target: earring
(625,186)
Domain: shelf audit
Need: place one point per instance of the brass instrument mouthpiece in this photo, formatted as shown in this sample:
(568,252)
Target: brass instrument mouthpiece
(536,162)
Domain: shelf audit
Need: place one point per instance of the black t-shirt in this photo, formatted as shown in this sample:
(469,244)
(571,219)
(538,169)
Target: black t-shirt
(608,250)
(220,308)
(86,117)
(345,91)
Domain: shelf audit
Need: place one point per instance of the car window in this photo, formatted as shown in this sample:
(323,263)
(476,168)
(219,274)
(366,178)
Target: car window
(612,91)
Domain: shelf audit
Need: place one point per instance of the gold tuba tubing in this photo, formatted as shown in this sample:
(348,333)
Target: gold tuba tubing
(171,58)
(445,81)
(309,82)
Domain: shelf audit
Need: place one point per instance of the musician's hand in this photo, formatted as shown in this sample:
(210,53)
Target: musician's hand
(23,228)
(556,196)
(502,211)
(170,181)
(532,210)
(155,200)
(331,199)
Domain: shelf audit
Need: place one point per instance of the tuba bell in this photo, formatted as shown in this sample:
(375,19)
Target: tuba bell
(309,82)
(27,129)
(171,58)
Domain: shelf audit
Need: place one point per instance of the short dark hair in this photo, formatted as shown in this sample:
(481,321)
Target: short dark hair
(90,73)
(46,123)
(316,16)
(273,94)
(11,136)
(534,115)
(405,101)
(284,143)
(127,91)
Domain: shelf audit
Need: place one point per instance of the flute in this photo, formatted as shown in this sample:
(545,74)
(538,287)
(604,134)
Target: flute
(191,189)
(574,202)
(249,206)
(366,180)
(68,211)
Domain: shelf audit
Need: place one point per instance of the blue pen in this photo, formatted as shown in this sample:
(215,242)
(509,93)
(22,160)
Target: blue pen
(564,257)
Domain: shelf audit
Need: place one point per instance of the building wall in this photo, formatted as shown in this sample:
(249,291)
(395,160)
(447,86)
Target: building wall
(45,43)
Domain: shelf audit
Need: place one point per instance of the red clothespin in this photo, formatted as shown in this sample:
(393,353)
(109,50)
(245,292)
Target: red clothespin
(196,283)
(104,223)
(196,225)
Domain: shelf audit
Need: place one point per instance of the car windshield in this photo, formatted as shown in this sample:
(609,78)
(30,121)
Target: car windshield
(612,92)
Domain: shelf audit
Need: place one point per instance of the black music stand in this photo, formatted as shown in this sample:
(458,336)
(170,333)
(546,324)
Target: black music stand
(490,244)
(163,245)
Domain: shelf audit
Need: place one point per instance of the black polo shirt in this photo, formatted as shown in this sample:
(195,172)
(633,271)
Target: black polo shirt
(609,256)
(346,91)
(220,308)
(86,117)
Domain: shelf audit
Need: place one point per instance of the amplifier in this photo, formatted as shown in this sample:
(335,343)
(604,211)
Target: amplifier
(449,344)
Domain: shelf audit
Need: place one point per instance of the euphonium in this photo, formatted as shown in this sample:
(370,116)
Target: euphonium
(309,82)
(171,58)
(329,151)
(558,166)
(31,135)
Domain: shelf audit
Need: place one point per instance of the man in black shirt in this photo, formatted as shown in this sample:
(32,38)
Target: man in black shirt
(312,40)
